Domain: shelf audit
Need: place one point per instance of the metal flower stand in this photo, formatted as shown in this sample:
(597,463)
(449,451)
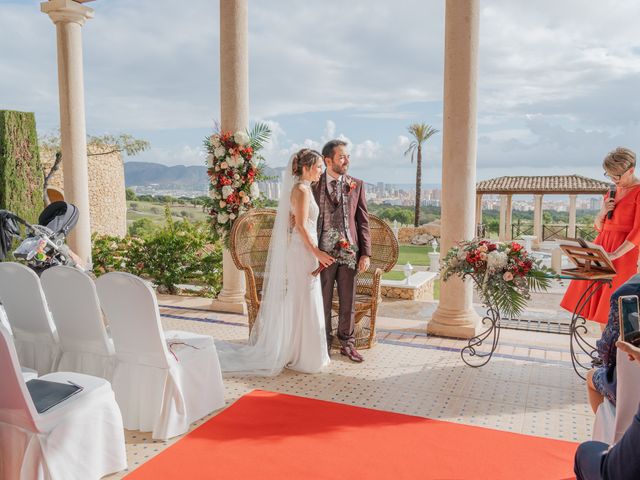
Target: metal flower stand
(475,357)
(470,354)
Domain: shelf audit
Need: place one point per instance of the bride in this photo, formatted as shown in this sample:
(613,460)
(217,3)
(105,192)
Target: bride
(290,328)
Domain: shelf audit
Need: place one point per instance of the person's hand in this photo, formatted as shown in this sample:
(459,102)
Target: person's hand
(607,206)
(323,257)
(631,350)
(363,264)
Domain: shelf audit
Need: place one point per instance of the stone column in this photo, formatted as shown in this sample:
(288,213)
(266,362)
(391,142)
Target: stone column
(455,315)
(502,226)
(572,216)
(69,17)
(537,217)
(478,209)
(508,218)
(234,116)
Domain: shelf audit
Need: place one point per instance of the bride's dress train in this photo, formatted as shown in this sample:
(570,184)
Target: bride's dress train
(289,330)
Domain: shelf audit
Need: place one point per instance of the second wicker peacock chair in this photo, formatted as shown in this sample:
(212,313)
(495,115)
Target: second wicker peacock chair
(384,255)
(250,238)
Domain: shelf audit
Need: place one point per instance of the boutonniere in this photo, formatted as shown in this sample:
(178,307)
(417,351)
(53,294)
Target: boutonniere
(351,185)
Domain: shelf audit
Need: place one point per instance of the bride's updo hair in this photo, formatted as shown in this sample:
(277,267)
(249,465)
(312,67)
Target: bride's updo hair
(304,158)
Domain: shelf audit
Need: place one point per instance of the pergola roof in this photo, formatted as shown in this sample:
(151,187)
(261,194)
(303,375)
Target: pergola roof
(574,184)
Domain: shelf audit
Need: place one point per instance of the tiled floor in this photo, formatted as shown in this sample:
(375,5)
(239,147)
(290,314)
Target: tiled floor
(528,387)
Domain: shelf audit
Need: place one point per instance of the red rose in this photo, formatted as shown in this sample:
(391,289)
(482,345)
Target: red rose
(515,247)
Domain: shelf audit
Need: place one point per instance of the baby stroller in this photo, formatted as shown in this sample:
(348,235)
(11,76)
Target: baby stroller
(44,244)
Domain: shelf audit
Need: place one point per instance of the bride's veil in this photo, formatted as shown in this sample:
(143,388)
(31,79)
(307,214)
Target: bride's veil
(270,339)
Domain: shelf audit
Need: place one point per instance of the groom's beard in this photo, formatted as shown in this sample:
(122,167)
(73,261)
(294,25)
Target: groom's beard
(340,170)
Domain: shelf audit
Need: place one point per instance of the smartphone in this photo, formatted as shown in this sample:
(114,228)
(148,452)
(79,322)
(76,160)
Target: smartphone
(629,311)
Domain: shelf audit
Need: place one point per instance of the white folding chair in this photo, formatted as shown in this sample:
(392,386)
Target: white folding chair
(73,301)
(163,381)
(34,332)
(613,420)
(81,438)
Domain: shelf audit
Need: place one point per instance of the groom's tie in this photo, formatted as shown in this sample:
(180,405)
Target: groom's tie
(334,191)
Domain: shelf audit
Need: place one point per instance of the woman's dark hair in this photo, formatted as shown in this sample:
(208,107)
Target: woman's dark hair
(304,158)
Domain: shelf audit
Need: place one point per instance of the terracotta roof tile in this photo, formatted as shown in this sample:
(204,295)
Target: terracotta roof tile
(551,184)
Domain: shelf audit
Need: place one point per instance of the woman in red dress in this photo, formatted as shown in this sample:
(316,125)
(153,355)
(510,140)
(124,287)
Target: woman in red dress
(618,235)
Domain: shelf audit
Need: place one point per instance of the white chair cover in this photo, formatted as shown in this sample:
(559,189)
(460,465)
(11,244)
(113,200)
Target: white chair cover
(28,373)
(4,321)
(81,438)
(612,421)
(73,301)
(161,384)
(34,332)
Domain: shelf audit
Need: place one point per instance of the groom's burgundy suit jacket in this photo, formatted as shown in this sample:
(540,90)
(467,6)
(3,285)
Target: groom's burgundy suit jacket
(358,215)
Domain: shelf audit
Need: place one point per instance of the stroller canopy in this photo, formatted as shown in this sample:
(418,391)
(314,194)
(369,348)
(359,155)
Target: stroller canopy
(59,217)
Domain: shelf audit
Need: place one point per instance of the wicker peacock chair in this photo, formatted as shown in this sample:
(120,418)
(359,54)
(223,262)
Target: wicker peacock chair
(384,255)
(250,238)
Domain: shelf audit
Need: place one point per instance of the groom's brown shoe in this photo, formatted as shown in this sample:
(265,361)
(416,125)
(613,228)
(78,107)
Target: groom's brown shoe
(352,353)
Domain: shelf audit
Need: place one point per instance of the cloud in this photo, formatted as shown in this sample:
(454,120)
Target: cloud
(556,86)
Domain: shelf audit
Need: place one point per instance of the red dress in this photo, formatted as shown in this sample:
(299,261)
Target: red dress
(624,225)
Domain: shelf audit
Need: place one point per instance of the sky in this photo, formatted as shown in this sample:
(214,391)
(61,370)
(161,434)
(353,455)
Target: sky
(558,82)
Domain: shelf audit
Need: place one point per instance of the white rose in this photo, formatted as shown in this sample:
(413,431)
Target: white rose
(236,177)
(215,141)
(496,260)
(245,199)
(241,138)
(236,184)
(232,162)
(210,160)
(219,152)
(226,191)
(240,161)
(223,204)
(224,165)
(232,216)
(255,190)
(223,218)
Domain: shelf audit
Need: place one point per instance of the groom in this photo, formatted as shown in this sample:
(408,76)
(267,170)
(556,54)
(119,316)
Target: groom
(343,213)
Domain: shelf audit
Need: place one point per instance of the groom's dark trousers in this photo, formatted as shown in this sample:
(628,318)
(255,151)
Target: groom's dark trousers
(346,278)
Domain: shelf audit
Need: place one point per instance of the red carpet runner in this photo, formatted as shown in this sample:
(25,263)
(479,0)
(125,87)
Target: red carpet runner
(268,436)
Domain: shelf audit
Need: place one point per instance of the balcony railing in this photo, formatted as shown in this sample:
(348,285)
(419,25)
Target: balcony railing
(553,231)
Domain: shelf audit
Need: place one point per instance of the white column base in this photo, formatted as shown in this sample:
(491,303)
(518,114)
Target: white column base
(453,323)
(231,298)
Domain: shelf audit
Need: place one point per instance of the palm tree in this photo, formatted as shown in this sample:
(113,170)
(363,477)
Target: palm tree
(421,132)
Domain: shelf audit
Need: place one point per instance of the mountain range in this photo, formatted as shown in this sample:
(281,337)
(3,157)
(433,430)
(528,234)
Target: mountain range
(183,177)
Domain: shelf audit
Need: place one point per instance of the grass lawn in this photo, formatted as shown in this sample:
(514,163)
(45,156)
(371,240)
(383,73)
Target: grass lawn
(155,212)
(414,254)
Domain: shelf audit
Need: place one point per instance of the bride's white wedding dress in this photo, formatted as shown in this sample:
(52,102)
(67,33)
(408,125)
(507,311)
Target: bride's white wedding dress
(308,336)
(289,330)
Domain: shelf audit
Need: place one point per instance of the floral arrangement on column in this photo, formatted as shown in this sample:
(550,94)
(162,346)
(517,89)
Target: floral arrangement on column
(504,274)
(234,166)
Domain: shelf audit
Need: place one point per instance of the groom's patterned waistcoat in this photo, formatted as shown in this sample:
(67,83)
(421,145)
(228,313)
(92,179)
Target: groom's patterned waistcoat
(349,216)
(333,217)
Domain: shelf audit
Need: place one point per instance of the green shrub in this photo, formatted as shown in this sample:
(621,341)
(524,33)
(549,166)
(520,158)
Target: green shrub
(21,175)
(176,253)
(142,227)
